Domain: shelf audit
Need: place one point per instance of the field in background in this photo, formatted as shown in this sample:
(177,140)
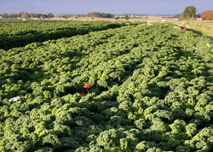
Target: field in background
(144,18)
(206,27)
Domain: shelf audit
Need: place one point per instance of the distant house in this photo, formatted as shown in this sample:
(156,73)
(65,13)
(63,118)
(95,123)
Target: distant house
(198,18)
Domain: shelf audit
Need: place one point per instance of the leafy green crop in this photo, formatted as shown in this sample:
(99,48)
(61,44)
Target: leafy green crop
(21,34)
(147,88)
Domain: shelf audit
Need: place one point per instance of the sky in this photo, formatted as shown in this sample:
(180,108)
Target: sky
(106,6)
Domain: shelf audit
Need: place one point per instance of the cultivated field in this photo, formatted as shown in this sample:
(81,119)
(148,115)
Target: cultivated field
(120,87)
(205,27)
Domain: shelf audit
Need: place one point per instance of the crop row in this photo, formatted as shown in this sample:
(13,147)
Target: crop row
(21,34)
(148,88)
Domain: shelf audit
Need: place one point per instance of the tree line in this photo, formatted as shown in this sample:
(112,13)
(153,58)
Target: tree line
(23,14)
(98,14)
(188,13)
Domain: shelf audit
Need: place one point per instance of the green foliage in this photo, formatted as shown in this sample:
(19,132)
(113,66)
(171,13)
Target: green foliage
(126,17)
(29,32)
(51,139)
(150,91)
(110,139)
(190,11)
(140,123)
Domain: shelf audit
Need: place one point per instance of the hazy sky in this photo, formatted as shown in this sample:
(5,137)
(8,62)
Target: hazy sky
(103,6)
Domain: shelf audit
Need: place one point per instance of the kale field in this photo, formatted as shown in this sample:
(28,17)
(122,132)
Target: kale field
(104,87)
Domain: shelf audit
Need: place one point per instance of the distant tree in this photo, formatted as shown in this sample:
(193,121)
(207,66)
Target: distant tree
(207,15)
(39,15)
(18,14)
(65,16)
(34,15)
(126,17)
(44,16)
(5,15)
(98,14)
(50,15)
(12,15)
(106,15)
(93,14)
(25,15)
(190,11)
